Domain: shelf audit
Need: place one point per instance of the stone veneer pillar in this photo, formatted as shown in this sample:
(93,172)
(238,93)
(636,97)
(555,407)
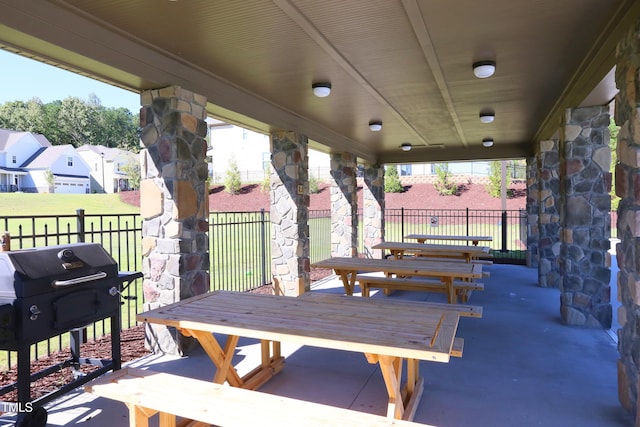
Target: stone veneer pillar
(586,224)
(290,214)
(627,176)
(373,209)
(173,205)
(549,217)
(344,205)
(533,211)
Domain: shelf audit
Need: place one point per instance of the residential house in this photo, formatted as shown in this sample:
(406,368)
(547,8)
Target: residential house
(106,167)
(70,172)
(26,159)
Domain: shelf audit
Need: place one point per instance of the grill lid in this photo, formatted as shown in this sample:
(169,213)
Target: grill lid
(32,271)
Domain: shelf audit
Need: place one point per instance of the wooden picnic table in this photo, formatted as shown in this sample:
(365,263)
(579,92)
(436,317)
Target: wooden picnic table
(388,334)
(399,249)
(447,271)
(421,238)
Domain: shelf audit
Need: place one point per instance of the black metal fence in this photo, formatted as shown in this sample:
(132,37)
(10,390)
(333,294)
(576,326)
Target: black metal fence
(240,245)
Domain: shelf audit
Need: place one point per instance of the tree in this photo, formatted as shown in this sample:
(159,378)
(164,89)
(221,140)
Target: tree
(74,121)
(132,169)
(392,182)
(444,185)
(232,180)
(51,180)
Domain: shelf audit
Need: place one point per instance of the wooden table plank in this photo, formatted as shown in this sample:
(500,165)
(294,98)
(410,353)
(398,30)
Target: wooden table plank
(351,326)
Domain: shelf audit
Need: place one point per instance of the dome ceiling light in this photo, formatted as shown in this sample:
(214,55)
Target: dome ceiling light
(484,69)
(375,125)
(405,146)
(487,117)
(321,89)
(487,142)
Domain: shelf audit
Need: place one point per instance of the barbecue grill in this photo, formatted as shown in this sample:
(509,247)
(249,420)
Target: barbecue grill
(51,290)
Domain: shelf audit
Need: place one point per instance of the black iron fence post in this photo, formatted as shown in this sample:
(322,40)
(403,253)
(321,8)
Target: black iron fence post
(263,249)
(402,223)
(81,232)
(504,231)
(467,217)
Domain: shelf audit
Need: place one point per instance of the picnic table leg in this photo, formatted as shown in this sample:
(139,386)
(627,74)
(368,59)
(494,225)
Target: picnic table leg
(402,402)
(221,358)
(451,292)
(348,278)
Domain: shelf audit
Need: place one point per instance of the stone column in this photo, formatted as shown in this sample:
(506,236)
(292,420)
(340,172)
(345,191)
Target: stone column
(290,213)
(373,209)
(549,218)
(173,205)
(627,172)
(344,205)
(586,183)
(533,211)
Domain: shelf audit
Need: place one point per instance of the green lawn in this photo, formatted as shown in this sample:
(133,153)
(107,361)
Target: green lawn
(63,204)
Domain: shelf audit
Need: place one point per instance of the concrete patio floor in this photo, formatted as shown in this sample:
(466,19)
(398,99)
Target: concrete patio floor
(520,367)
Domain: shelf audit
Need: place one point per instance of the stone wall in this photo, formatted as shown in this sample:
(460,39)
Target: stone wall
(627,177)
(586,223)
(344,205)
(173,205)
(533,212)
(549,274)
(290,214)
(373,209)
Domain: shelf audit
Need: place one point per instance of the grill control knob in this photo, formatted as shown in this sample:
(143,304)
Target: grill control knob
(34,312)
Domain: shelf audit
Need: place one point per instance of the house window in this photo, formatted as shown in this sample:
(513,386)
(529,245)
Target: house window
(95,167)
(405,170)
(14,160)
(69,161)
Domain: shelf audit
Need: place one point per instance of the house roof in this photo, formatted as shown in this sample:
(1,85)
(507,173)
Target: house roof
(45,157)
(9,137)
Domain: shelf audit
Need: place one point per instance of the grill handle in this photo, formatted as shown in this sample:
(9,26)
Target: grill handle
(78,280)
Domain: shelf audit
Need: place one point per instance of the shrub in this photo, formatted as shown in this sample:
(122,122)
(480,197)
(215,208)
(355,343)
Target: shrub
(443,185)
(232,181)
(392,182)
(313,185)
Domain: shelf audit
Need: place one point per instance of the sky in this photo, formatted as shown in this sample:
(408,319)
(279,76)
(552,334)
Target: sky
(22,79)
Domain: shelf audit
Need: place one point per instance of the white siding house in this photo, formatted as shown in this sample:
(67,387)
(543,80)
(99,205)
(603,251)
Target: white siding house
(15,149)
(70,171)
(106,167)
(26,159)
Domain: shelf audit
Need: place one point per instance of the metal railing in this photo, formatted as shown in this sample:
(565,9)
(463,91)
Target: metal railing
(240,245)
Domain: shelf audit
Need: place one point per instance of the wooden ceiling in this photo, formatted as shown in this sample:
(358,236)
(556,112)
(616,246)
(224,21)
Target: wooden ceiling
(407,63)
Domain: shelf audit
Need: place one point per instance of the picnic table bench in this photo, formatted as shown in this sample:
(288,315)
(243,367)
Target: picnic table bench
(179,400)
(462,288)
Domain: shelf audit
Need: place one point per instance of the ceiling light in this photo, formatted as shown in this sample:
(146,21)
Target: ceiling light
(487,117)
(484,69)
(375,125)
(487,142)
(321,89)
(405,146)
